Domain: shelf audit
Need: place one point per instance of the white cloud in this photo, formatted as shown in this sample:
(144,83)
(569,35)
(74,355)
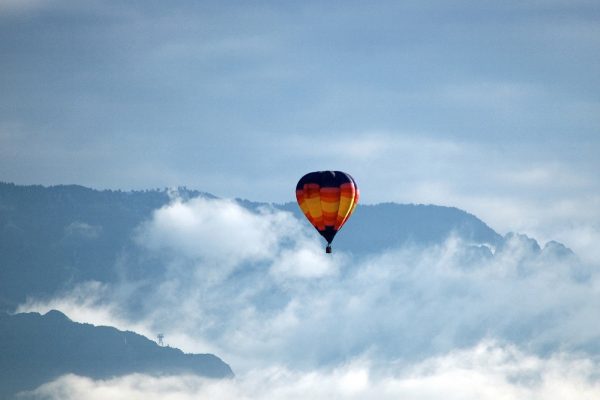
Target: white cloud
(306,261)
(526,190)
(272,296)
(548,175)
(583,239)
(218,236)
(487,371)
(91,302)
(215,231)
(540,188)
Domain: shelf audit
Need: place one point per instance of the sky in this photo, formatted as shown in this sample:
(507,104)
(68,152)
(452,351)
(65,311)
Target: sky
(491,107)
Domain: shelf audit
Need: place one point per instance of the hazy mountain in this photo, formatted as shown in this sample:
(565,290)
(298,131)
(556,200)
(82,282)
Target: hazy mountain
(54,237)
(378,227)
(37,348)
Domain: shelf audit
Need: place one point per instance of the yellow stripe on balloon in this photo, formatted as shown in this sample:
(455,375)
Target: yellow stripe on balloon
(347,204)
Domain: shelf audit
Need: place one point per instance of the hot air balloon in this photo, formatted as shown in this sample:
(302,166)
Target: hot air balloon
(327,199)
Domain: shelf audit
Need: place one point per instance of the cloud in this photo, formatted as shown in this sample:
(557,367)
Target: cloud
(525,187)
(508,148)
(487,371)
(583,239)
(214,231)
(271,296)
(88,302)
(221,236)
(500,97)
(20,6)
(220,259)
(312,98)
(83,230)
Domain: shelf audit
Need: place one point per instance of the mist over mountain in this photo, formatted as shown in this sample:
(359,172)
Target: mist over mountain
(385,226)
(250,282)
(54,237)
(38,348)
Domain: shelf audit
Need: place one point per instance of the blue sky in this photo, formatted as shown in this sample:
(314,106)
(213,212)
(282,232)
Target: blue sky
(492,107)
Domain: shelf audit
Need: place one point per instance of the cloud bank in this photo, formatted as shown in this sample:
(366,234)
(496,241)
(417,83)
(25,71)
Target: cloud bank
(488,371)
(255,288)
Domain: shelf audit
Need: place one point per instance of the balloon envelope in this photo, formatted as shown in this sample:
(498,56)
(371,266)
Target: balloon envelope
(327,199)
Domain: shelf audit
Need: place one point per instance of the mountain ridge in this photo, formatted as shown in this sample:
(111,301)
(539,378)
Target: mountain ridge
(54,237)
(38,348)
